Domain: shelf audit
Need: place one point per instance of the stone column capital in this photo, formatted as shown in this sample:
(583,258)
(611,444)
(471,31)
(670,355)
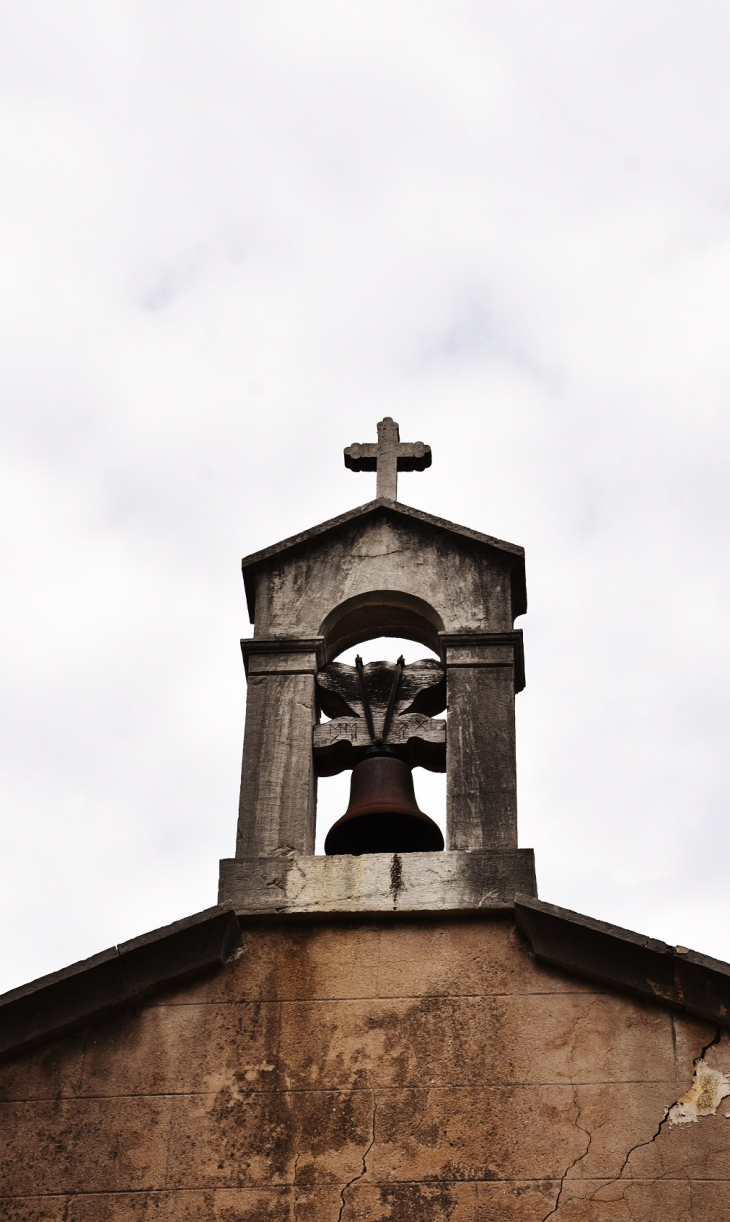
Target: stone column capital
(478,649)
(288,655)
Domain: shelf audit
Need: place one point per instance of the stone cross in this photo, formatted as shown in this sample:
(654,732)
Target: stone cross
(388,456)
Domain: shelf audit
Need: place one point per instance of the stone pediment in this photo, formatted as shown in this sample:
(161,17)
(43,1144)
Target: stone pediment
(317,537)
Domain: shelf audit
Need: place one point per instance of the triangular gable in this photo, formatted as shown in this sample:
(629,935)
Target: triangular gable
(252,563)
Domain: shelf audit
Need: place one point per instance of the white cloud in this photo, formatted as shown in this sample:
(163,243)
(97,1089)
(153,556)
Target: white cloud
(236,236)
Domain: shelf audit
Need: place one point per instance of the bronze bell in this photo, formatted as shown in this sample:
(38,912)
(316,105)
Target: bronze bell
(383,816)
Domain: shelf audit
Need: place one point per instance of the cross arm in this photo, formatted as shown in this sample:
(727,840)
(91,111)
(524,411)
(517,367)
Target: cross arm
(413,456)
(388,456)
(362,457)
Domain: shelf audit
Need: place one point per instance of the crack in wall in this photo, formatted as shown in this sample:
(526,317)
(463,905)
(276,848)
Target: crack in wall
(709,1088)
(297,1156)
(578,1159)
(364,1157)
(640,1145)
(674,1045)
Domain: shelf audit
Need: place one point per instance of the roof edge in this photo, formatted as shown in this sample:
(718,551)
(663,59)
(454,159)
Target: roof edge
(646,967)
(114,977)
(513,550)
(381,502)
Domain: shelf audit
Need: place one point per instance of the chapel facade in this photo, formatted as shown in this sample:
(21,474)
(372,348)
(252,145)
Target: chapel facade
(396,1029)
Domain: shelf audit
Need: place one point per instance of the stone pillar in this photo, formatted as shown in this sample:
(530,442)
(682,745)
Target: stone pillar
(277,809)
(483,672)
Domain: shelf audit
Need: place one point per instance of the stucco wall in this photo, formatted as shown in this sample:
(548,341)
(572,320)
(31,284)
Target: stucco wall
(411,1071)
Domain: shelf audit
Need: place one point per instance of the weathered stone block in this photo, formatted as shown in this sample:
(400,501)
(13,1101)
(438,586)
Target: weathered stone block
(83,1145)
(618,1116)
(278,787)
(422,1202)
(696,1151)
(293,959)
(375,882)
(411,957)
(460,1041)
(472,582)
(515,1200)
(481,796)
(709,1199)
(50,1071)
(278,1204)
(232,1138)
(474,1133)
(238,1139)
(468,956)
(35,1209)
(639,1201)
(184,1050)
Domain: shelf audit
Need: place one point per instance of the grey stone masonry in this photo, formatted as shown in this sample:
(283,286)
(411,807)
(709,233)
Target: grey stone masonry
(376,883)
(278,785)
(483,672)
(384,566)
(383,569)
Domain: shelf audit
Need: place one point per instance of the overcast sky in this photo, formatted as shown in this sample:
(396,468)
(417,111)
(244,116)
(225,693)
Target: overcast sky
(237,235)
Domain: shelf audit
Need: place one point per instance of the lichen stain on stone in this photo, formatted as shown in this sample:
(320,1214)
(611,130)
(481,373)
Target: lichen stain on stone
(417,1202)
(396,878)
(709,1087)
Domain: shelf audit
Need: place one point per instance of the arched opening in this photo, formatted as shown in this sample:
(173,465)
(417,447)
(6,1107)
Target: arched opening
(380,626)
(380,613)
(386,649)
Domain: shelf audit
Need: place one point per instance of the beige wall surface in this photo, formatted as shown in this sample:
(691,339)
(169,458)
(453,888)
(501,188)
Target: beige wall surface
(414,1071)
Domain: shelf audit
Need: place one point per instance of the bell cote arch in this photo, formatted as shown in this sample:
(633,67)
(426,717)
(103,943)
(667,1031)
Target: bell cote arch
(380,613)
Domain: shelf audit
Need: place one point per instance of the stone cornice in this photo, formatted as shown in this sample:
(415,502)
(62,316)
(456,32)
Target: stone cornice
(116,977)
(457,643)
(645,967)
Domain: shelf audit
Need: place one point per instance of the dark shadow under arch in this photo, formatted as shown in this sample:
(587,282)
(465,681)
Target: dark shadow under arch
(380,613)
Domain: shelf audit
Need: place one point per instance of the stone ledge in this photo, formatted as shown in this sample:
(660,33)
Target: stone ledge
(116,976)
(645,967)
(469,643)
(377,883)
